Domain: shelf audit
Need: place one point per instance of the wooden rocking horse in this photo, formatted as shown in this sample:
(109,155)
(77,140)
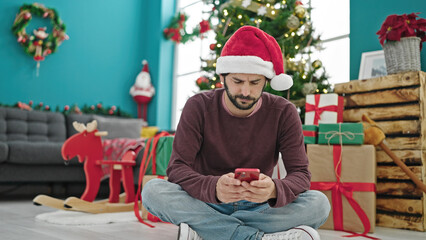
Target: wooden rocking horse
(87,146)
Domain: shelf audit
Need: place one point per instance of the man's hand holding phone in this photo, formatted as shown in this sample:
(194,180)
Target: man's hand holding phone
(253,187)
(247,174)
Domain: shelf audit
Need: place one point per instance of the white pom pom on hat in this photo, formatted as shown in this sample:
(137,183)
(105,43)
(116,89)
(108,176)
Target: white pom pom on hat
(251,50)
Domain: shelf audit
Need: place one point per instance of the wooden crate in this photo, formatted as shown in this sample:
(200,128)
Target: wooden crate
(397,104)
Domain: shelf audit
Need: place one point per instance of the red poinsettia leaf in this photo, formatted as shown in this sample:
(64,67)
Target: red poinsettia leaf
(421,24)
(394,35)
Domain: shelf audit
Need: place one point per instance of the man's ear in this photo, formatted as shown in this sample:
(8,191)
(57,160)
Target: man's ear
(222,79)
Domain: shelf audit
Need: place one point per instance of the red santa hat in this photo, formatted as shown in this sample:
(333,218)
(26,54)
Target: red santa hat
(145,66)
(251,50)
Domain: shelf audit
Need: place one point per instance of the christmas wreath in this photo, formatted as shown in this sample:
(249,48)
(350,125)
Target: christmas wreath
(40,43)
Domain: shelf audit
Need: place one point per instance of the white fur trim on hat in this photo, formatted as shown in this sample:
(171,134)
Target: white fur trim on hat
(281,82)
(245,64)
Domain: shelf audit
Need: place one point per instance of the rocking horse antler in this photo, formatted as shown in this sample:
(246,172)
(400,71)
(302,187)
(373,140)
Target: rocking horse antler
(79,126)
(91,126)
(374,135)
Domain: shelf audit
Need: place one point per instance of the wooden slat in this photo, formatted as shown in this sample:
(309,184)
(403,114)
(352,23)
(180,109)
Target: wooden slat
(409,157)
(407,189)
(400,127)
(385,82)
(423,118)
(395,172)
(400,95)
(400,221)
(400,205)
(400,143)
(382,113)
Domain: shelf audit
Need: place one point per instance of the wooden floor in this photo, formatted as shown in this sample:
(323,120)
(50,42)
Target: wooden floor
(17,221)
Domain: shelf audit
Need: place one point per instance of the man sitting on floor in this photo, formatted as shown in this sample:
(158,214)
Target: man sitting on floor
(240,127)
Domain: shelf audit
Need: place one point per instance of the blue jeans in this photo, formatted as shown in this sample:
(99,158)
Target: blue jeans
(238,220)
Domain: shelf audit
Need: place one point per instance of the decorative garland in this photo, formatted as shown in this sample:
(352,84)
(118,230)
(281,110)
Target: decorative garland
(176,30)
(39,44)
(99,109)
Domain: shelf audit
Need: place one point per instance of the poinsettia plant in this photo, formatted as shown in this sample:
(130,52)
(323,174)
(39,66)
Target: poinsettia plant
(397,26)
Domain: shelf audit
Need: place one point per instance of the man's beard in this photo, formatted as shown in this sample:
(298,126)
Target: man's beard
(234,99)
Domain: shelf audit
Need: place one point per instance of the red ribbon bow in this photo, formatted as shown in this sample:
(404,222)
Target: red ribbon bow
(338,189)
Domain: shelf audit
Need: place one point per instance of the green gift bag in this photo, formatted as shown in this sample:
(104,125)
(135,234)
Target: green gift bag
(310,134)
(161,159)
(341,133)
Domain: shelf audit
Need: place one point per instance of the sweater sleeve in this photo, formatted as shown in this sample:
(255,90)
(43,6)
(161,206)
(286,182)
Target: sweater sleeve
(292,148)
(186,145)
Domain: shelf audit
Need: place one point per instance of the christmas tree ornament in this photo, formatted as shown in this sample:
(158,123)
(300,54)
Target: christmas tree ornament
(293,22)
(317,64)
(143,91)
(300,11)
(307,28)
(212,46)
(41,43)
(261,11)
(246,3)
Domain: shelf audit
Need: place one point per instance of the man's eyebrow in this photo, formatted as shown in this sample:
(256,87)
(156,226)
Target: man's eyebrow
(235,78)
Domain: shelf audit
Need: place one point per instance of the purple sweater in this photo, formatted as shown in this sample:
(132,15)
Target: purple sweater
(209,142)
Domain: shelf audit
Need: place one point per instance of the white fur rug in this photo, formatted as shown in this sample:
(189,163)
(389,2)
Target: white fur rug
(62,217)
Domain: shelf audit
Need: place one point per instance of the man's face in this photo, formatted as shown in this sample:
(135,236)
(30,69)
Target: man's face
(244,90)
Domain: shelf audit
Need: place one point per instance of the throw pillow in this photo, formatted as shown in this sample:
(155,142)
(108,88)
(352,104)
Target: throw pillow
(120,127)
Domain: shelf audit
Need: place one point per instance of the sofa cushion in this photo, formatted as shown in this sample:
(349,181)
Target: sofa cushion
(23,152)
(120,127)
(33,126)
(4,151)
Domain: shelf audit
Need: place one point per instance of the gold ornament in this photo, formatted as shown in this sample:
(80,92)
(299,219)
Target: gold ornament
(300,11)
(317,64)
(293,22)
(291,65)
(308,27)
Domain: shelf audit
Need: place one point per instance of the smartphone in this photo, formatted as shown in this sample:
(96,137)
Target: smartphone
(247,174)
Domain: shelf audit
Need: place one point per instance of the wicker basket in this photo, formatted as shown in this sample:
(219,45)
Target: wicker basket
(402,56)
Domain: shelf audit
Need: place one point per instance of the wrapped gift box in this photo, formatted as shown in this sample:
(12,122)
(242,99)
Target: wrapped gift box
(323,108)
(310,134)
(145,214)
(352,195)
(341,133)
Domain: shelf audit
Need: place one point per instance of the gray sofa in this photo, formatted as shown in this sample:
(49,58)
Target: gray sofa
(30,152)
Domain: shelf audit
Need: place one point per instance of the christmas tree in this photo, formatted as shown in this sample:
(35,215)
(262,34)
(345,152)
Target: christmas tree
(288,21)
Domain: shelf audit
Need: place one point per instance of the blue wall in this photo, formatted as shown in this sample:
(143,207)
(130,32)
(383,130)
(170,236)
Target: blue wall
(366,18)
(100,61)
